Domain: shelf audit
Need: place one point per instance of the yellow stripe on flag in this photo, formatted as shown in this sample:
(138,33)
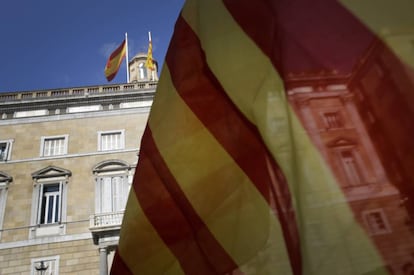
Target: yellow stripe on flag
(259,94)
(140,247)
(114,61)
(217,188)
(231,176)
(149,63)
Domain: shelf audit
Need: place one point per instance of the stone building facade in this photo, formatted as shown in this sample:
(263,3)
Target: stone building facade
(67,157)
(358,142)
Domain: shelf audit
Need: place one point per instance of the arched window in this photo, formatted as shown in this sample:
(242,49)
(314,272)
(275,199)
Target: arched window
(142,71)
(113,180)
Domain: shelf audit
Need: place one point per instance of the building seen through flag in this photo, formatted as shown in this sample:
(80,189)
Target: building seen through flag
(115,60)
(279,142)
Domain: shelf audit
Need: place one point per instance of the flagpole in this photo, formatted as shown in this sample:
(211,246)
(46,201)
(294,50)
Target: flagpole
(126,57)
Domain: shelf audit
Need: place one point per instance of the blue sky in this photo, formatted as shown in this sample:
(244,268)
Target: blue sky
(48,44)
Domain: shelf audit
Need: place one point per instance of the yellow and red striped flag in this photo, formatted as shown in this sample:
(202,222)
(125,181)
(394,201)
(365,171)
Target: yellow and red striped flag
(114,61)
(149,63)
(279,142)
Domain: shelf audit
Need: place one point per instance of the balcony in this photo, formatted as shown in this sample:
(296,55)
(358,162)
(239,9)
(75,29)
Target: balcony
(106,221)
(105,226)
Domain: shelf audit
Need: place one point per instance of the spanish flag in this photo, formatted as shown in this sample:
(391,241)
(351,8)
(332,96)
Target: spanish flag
(279,142)
(114,61)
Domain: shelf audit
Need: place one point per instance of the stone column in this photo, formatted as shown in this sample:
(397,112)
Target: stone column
(103,261)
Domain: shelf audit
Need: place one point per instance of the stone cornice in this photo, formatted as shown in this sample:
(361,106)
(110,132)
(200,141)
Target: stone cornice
(109,97)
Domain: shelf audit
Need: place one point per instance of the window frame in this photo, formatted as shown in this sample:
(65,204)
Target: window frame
(46,138)
(5,181)
(48,176)
(338,148)
(142,71)
(373,231)
(111,169)
(118,192)
(352,172)
(37,200)
(333,120)
(9,147)
(43,205)
(103,133)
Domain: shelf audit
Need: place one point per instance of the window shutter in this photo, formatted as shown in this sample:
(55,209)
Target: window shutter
(106,201)
(39,203)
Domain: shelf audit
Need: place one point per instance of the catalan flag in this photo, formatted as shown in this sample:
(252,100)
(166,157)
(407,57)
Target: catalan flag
(149,63)
(279,142)
(114,61)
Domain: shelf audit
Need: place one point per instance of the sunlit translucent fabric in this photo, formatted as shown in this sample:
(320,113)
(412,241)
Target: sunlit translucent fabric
(114,61)
(279,142)
(149,62)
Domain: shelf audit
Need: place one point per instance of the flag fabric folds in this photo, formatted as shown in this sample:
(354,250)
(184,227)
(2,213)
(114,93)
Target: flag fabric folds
(279,142)
(114,61)
(149,63)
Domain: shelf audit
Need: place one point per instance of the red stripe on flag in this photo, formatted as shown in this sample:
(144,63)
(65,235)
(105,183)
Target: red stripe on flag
(309,37)
(118,266)
(115,55)
(173,216)
(111,76)
(117,50)
(303,36)
(201,91)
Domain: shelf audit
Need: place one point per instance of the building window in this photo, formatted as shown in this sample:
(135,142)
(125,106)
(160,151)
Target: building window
(49,201)
(376,222)
(54,146)
(332,120)
(5,149)
(4,185)
(45,266)
(351,169)
(113,180)
(349,164)
(112,193)
(111,140)
(142,71)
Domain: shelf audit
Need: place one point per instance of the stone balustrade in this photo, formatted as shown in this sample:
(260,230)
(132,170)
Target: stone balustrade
(78,91)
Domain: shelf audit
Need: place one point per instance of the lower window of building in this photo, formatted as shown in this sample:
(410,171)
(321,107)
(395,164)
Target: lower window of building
(49,201)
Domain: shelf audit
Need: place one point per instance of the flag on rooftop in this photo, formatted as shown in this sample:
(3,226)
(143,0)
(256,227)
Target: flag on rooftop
(279,142)
(115,60)
(149,63)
